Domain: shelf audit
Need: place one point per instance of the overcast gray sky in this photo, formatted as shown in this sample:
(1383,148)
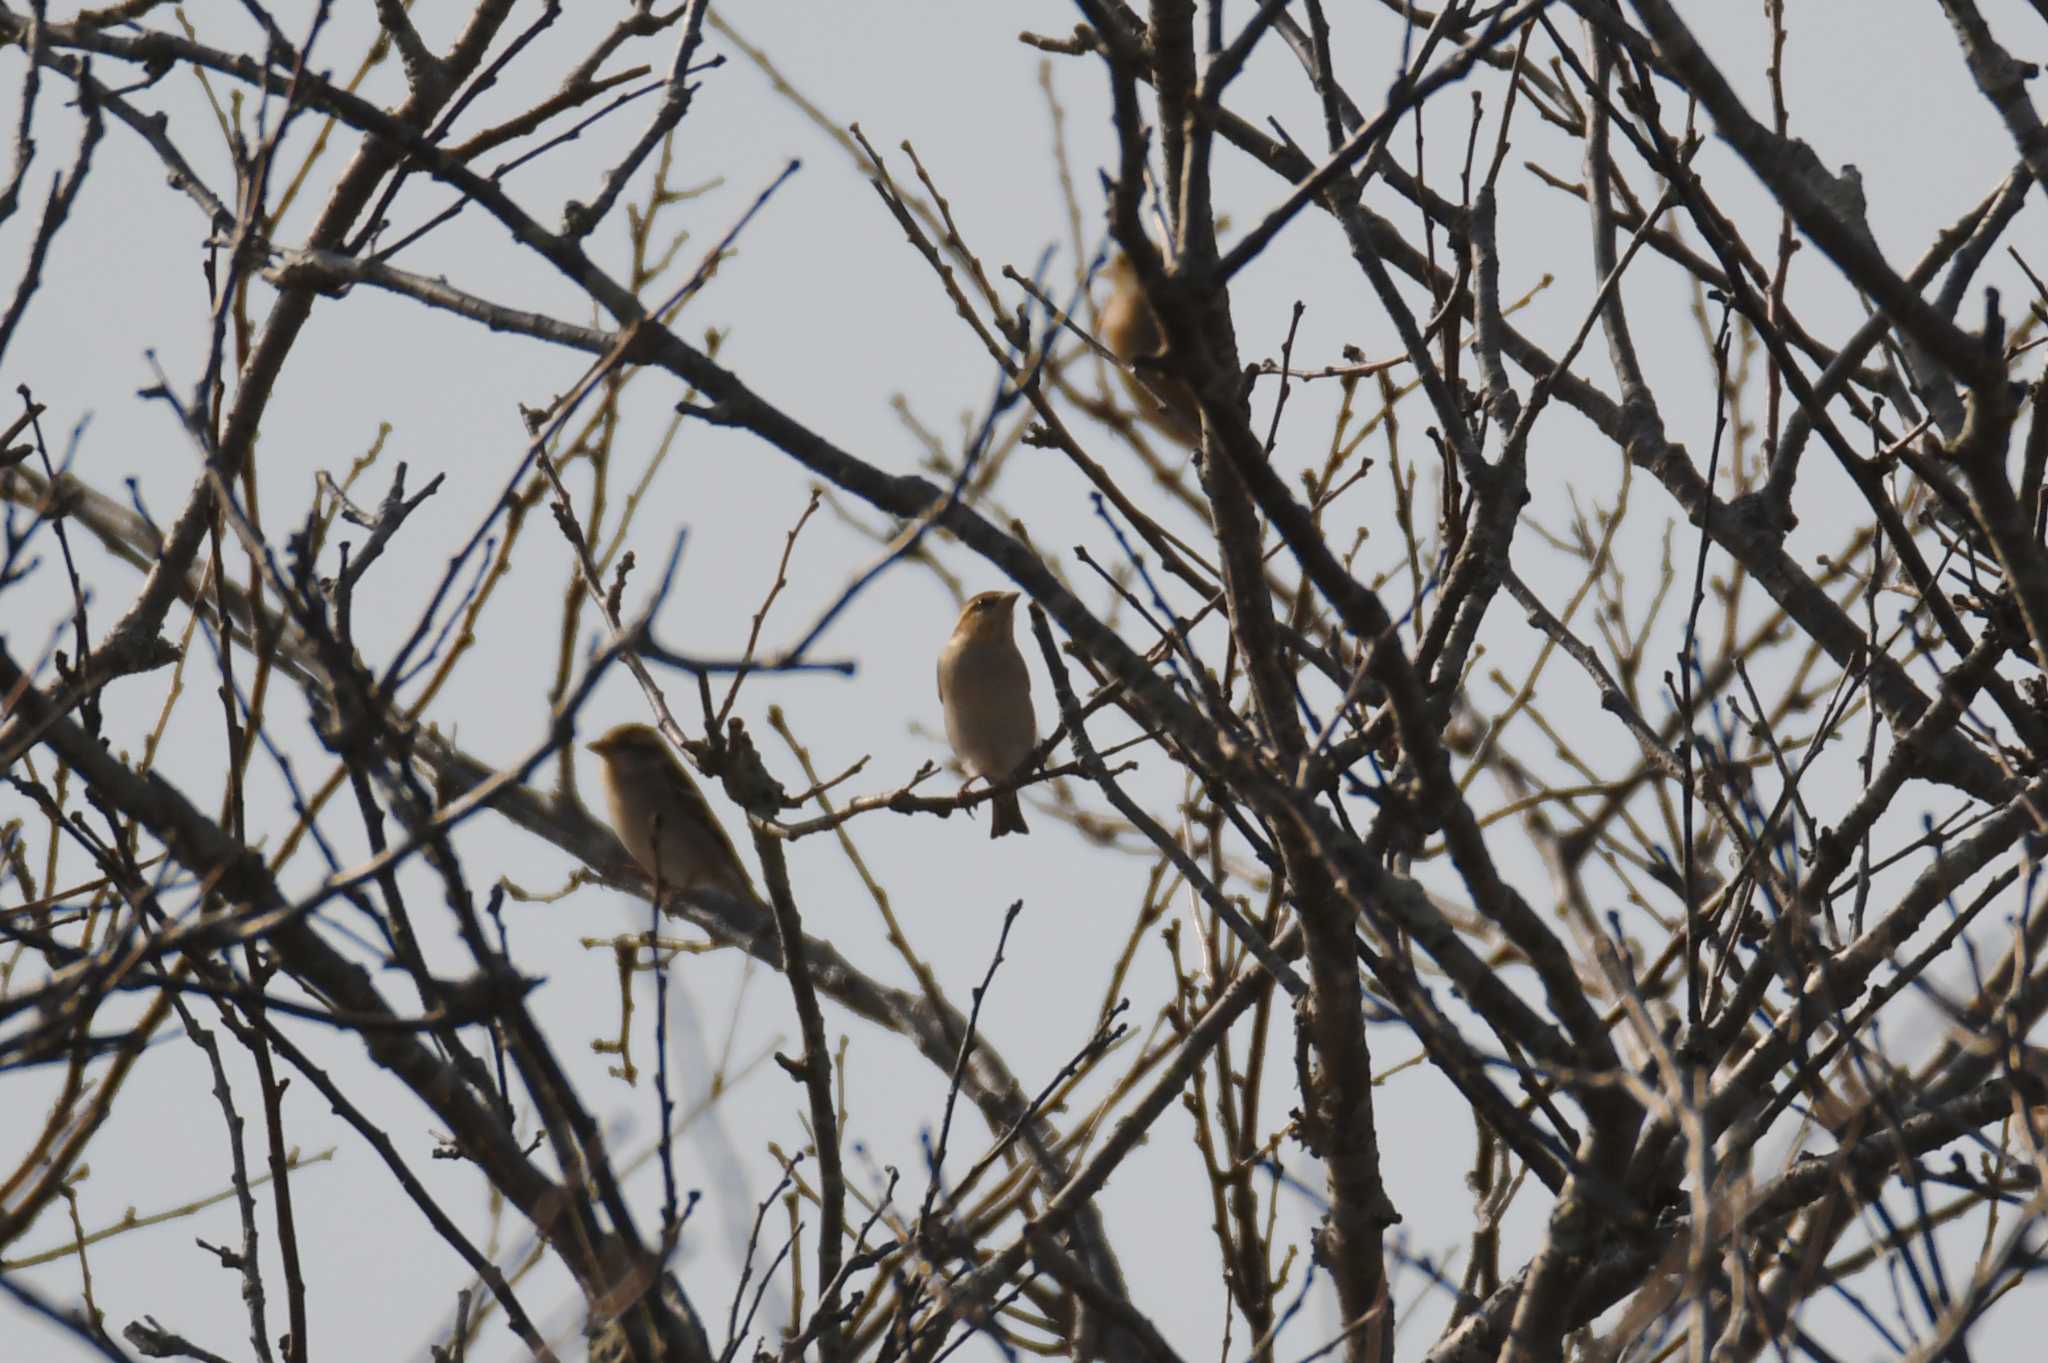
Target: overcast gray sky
(831,315)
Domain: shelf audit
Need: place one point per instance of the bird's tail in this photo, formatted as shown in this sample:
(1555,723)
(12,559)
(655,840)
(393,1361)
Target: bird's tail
(1009,816)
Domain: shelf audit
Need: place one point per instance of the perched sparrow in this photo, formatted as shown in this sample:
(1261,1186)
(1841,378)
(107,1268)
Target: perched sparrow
(987,694)
(662,818)
(1131,331)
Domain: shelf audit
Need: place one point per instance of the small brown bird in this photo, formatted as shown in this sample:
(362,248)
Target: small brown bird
(1131,331)
(986,691)
(663,819)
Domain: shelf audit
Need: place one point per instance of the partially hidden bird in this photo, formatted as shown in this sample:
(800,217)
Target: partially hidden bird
(662,818)
(1130,330)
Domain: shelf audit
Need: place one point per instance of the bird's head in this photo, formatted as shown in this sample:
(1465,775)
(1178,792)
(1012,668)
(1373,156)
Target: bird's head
(632,745)
(987,615)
